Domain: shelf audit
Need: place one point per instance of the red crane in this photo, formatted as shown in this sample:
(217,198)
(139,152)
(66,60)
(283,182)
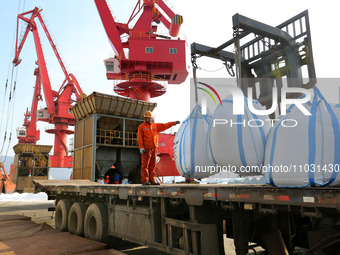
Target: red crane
(149,57)
(58,102)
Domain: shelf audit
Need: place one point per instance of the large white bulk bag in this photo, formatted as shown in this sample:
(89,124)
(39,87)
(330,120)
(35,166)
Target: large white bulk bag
(240,142)
(309,153)
(190,148)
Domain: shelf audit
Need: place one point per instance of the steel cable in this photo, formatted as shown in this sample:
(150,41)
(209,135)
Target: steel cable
(11,101)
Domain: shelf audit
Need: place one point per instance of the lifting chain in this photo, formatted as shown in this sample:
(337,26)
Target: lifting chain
(194,65)
(237,51)
(229,66)
(193,61)
(227,63)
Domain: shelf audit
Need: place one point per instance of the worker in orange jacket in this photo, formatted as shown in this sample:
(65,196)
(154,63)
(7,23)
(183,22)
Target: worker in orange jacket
(148,143)
(107,179)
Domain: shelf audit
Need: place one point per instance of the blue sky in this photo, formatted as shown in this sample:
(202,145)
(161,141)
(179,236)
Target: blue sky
(76,27)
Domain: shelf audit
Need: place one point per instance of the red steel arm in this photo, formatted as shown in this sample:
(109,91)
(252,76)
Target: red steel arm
(165,22)
(136,10)
(110,27)
(45,80)
(79,91)
(165,8)
(31,25)
(54,47)
(33,135)
(143,24)
(176,20)
(18,49)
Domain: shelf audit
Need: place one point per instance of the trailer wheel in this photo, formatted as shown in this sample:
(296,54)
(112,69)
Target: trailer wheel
(76,218)
(96,222)
(61,214)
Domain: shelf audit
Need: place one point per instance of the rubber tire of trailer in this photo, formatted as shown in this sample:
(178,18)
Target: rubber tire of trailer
(96,223)
(76,218)
(61,214)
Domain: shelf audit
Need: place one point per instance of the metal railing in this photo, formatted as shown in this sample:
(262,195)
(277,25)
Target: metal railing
(115,137)
(42,161)
(297,28)
(139,77)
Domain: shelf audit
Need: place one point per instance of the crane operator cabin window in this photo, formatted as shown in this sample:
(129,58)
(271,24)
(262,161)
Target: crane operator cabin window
(173,50)
(149,49)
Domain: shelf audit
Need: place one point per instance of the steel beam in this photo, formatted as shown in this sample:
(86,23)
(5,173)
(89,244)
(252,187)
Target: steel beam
(250,25)
(293,57)
(211,52)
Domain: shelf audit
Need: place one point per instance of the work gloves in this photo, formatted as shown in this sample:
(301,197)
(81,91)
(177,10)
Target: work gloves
(177,122)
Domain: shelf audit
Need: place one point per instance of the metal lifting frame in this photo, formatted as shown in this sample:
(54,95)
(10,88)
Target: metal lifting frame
(274,53)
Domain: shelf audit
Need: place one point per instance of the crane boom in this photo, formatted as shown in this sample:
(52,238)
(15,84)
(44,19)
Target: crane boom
(29,133)
(110,27)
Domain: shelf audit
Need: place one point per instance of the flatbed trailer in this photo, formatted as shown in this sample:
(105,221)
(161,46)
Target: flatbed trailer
(192,218)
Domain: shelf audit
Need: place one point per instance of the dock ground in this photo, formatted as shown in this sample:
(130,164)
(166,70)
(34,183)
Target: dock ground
(37,211)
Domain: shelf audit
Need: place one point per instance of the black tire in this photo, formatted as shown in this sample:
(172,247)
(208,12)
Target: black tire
(96,222)
(61,214)
(76,218)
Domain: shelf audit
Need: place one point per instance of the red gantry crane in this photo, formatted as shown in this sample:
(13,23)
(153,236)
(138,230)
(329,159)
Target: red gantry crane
(58,102)
(148,57)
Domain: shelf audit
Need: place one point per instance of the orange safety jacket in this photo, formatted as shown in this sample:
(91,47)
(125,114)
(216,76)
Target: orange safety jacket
(148,134)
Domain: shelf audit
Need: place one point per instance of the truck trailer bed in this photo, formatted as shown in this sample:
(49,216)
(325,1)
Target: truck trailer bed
(196,194)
